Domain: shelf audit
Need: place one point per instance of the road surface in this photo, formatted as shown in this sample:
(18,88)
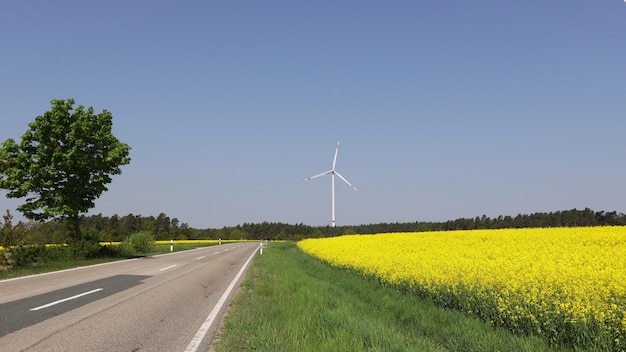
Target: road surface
(171,302)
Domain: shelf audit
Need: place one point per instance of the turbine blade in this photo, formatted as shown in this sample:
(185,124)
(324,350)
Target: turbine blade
(318,175)
(344,180)
(335,158)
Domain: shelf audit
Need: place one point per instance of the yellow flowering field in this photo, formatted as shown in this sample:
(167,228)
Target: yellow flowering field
(567,285)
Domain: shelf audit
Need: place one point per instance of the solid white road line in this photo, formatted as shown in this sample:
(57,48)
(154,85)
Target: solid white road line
(63,271)
(66,299)
(195,342)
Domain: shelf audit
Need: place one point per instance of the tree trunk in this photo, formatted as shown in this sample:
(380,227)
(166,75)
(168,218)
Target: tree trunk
(77,234)
(75,225)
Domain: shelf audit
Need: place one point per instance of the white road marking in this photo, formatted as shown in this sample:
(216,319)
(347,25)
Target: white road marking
(168,267)
(200,258)
(66,299)
(195,342)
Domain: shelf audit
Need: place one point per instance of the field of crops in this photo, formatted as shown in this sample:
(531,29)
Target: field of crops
(567,285)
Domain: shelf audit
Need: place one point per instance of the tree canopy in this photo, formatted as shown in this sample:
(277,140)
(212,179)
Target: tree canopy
(63,163)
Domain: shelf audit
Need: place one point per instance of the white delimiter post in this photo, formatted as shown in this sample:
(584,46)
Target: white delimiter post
(171,245)
(261,247)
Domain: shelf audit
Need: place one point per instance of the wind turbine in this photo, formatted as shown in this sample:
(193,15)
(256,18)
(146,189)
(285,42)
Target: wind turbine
(332,172)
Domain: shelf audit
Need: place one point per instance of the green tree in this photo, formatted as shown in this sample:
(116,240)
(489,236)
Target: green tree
(162,225)
(63,163)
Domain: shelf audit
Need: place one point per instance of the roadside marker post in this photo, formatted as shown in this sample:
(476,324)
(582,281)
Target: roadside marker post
(171,245)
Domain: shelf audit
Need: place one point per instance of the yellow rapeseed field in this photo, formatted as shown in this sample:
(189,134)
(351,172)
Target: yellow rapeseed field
(567,285)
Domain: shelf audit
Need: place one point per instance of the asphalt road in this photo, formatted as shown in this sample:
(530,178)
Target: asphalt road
(171,302)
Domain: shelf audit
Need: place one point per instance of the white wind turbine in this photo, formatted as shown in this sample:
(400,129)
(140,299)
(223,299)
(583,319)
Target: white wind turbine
(333,172)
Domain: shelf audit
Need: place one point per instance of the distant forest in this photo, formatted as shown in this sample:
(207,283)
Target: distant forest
(115,228)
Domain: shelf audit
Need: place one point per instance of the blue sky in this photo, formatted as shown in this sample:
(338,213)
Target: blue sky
(444,109)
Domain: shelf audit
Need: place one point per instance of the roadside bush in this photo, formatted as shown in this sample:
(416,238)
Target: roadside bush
(23,255)
(89,247)
(12,235)
(85,249)
(112,251)
(139,243)
(56,253)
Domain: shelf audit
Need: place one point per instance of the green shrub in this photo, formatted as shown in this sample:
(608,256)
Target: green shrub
(112,251)
(139,243)
(12,235)
(85,249)
(23,255)
(56,253)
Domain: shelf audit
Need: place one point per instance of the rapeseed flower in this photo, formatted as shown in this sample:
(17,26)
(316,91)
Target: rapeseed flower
(565,284)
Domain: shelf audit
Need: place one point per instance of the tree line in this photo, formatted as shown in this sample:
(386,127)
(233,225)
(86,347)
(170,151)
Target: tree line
(562,218)
(113,228)
(116,228)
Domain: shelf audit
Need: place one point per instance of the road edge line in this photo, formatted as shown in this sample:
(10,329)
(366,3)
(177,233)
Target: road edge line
(204,328)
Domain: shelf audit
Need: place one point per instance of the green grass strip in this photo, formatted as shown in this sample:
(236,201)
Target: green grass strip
(291,301)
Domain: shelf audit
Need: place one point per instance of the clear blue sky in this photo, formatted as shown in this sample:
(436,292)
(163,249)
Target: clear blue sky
(444,109)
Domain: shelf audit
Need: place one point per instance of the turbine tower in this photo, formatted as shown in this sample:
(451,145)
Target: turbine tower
(333,172)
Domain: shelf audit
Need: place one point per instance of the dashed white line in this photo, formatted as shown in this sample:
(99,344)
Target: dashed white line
(168,267)
(200,258)
(66,299)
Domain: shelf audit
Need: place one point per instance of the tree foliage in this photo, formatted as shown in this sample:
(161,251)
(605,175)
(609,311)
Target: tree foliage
(63,163)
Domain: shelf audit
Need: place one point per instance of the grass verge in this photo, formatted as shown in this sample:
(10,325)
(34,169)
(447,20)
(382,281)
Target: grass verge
(290,301)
